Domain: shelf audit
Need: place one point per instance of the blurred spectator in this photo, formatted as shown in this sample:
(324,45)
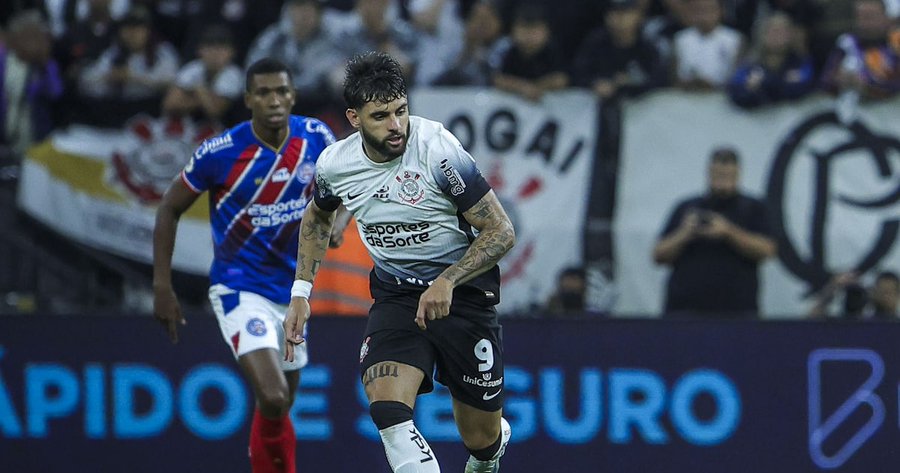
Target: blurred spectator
(778,67)
(131,75)
(533,65)
(707,52)
(182,22)
(207,87)
(373,25)
(715,243)
(440,32)
(569,296)
(616,59)
(880,302)
(301,42)
(483,46)
(865,63)
(805,14)
(86,38)
(29,83)
(663,19)
(63,15)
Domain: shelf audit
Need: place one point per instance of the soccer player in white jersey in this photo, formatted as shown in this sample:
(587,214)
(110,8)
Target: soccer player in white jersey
(417,197)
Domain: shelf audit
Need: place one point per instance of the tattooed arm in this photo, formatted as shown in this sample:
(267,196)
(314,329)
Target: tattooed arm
(315,232)
(495,238)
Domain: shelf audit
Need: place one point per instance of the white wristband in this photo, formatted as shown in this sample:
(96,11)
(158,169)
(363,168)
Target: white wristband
(301,288)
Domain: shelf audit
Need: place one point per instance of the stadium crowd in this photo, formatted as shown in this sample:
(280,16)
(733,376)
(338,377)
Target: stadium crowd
(99,62)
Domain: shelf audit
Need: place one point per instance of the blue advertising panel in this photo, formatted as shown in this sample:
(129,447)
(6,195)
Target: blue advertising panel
(105,394)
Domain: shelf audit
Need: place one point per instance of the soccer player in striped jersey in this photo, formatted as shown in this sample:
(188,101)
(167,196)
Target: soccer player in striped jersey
(259,177)
(435,231)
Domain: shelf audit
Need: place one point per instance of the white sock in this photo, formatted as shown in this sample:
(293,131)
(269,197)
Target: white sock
(407,451)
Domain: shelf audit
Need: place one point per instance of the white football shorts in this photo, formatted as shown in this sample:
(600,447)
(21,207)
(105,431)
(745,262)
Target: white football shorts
(251,322)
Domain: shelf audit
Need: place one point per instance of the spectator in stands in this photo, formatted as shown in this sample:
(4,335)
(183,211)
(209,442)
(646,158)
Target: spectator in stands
(85,39)
(182,22)
(804,14)
(864,62)
(706,52)
(29,83)
(300,40)
(616,59)
(714,243)
(439,28)
(483,47)
(880,302)
(569,297)
(207,87)
(533,65)
(131,75)
(662,20)
(777,69)
(374,25)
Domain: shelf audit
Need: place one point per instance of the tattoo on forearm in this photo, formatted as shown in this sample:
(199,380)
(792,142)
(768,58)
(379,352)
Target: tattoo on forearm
(381,370)
(489,246)
(315,232)
(485,252)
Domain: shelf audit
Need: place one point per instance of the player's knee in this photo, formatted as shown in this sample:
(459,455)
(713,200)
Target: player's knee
(389,413)
(481,439)
(274,400)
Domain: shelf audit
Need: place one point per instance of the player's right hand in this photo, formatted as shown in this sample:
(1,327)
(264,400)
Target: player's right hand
(167,311)
(294,323)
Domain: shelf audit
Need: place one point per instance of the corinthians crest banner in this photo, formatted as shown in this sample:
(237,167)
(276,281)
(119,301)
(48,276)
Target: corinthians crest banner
(101,187)
(832,189)
(538,159)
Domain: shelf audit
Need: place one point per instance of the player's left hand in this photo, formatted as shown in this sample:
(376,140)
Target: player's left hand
(434,303)
(294,323)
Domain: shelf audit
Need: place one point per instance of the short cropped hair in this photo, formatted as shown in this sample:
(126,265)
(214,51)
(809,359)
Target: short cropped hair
(373,77)
(266,65)
(888,276)
(724,155)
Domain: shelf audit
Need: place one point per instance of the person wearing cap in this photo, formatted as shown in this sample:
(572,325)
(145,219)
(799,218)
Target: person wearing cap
(715,243)
(207,86)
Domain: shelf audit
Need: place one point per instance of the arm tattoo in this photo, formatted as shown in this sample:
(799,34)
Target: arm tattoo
(495,239)
(315,231)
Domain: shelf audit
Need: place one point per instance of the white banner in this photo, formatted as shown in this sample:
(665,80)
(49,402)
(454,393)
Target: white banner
(101,187)
(833,189)
(538,158)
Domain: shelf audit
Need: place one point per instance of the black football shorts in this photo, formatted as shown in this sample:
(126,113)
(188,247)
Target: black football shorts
(464,350)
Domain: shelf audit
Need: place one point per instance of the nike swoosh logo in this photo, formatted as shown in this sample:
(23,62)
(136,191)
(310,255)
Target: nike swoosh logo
(351,196)
(488,397)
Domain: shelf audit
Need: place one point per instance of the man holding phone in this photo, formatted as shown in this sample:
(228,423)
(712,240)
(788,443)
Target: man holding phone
(714,243)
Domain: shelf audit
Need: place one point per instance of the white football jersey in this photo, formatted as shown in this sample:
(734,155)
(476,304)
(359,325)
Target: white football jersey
(409,209)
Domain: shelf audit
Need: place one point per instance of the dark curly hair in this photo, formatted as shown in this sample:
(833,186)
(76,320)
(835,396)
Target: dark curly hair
(373,77)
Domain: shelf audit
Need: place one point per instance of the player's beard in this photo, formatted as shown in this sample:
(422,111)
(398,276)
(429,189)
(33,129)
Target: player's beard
(382,146)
